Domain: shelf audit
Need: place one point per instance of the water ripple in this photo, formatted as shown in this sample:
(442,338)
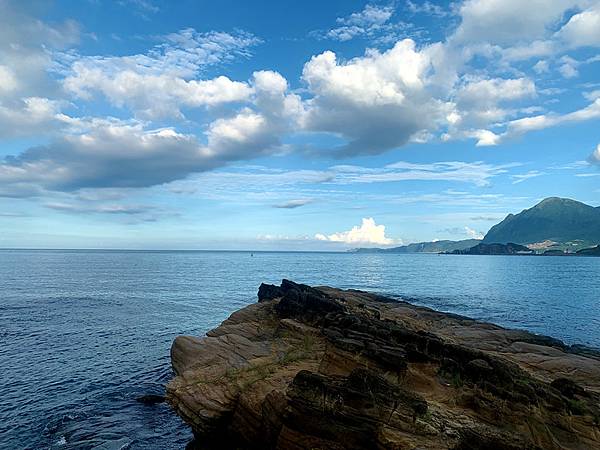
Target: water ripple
(85,333)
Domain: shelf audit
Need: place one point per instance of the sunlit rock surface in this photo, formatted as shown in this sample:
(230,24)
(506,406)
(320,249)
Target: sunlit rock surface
(322,368)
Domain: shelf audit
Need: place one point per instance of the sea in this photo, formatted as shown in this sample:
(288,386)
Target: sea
(85,333)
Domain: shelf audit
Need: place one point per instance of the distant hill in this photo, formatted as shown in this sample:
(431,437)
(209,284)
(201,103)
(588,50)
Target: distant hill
(594,251)
(553,219)
(495,249)
(425,247)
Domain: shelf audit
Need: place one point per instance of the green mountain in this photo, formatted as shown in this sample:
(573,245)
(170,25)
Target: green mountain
(495,249)
(553,219)
(594,251)
(425,247)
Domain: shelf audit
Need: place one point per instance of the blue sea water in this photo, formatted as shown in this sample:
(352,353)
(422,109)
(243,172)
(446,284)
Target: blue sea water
(84,333)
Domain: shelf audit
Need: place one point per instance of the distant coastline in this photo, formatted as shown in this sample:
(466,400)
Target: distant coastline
(553,227)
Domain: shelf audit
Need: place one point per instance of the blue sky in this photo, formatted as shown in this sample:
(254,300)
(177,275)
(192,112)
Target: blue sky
(291,125)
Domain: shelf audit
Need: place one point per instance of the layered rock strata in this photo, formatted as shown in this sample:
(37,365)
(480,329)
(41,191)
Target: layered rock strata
(322,368)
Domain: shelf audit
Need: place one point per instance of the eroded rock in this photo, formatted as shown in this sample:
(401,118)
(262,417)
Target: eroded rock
(310,368)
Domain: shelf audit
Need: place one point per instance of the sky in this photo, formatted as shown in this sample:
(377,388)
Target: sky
(285,125)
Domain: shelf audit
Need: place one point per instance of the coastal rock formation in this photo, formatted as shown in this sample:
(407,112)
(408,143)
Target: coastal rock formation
(322,368)
(495,249)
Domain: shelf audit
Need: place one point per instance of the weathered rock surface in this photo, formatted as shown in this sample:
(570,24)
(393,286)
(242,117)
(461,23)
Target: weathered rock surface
(321,368)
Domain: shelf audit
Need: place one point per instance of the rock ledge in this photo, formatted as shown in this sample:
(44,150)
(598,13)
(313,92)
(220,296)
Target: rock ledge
(322,368)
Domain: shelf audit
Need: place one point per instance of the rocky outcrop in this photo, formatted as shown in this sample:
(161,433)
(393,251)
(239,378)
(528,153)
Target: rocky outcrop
(495,249)
(594,251)
(321,368)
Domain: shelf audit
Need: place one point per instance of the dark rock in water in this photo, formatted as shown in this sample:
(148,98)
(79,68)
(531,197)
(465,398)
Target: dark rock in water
(151,399)
(309,368)
(269,292)
(300,300)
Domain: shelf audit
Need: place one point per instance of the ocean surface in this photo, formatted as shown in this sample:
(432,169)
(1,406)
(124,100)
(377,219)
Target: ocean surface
(85,333)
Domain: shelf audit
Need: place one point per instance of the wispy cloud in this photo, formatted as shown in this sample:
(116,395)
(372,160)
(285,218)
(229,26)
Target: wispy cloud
(463,232)
(373,22)
(428,8)
(292,204)
(519,178)
(477,173)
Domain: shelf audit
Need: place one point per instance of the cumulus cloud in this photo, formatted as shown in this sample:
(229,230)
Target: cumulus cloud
(509,22)
(112,153)
(107,155)
(582,29)
(367,233)
(568,67)
(376,102)
(27,93)
(386,99)
(473,234)
(480,100)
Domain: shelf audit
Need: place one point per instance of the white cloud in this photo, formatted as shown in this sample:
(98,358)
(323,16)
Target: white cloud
(96,158)
(31,114)
(112,153)
(376,102)
(485,138)
(367,233)
(509,22)
(592,95)
(540,122)
(519,178)
(373,22)
(162,82)
(595,156)
(26,44)
(541,66)
(582,29)
(8,81)
(144,6)
(276,186)
(479,102)
(477,173)
(473,234)
(568,67)
(369,16)
(428,8)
